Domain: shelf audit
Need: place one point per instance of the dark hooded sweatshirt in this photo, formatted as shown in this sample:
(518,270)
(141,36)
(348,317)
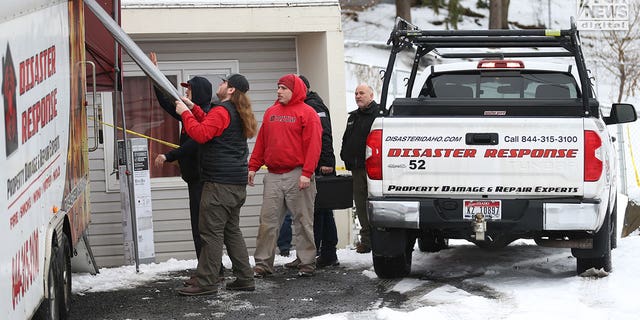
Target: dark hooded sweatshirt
(187,154)
(327,158)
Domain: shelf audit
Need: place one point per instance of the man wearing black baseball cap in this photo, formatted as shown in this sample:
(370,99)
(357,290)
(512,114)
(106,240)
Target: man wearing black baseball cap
(237,81)
(222,133)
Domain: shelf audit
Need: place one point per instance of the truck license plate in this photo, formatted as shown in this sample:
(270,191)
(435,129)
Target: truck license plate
(492,209)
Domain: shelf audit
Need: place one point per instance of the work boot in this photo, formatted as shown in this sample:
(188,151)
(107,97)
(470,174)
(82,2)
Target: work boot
(293,264)
(242,285)
(260,272)
(191,282)
(306,270)
(322,262)
(197,291)
(363,248)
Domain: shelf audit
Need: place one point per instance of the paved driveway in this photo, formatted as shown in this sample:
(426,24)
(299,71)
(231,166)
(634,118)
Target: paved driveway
(282,296)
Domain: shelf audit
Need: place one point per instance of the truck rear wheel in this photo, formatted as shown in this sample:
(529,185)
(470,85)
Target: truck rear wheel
(392,267)
(391,252)
(600,256)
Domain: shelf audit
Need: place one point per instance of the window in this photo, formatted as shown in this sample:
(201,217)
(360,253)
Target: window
(144,115)
(501,85)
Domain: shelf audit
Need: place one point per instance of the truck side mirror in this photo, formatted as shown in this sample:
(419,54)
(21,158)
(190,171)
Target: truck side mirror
(621,113)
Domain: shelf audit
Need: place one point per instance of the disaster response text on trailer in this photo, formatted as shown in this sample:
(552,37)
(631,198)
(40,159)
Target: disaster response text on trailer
(33,72)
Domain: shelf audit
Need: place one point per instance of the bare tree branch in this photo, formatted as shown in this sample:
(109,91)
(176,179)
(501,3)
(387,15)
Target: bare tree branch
(621,54)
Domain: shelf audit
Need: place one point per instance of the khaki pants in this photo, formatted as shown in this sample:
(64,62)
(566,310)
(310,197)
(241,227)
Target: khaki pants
(281,192)
(219,222)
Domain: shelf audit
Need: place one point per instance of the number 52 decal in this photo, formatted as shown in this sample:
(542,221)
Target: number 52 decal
(417,165)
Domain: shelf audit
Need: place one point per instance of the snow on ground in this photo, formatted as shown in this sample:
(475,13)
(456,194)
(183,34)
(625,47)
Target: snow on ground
(522,281)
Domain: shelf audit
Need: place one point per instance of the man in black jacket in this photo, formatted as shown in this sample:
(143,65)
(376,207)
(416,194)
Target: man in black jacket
(324,225)
(199,90)
(353,154)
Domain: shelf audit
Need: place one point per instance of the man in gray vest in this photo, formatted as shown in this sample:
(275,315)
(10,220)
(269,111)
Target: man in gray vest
(222,134)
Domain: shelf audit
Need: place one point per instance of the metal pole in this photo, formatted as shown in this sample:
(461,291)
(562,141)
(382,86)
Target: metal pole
(129,179)
(549,13)
(622,160)
(119,101)
(129,171)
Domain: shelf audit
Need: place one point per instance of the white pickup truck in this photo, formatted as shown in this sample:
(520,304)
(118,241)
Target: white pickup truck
(502,146)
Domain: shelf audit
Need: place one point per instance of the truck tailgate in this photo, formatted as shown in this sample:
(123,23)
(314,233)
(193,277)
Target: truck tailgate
(495,157)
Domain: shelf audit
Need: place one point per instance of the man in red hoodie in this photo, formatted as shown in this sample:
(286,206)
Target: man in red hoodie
(288,143)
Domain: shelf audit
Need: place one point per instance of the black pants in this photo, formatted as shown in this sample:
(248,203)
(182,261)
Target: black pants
(325,233)
(195,194)
(360,194)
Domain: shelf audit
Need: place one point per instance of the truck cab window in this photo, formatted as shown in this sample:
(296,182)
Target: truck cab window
(501,85)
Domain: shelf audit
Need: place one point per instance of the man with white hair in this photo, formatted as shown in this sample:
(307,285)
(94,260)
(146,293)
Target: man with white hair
(352,153)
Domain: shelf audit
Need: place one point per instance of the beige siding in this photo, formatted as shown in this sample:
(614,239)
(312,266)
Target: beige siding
(262,61)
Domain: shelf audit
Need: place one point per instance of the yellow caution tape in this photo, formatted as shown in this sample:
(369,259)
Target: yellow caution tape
(169,144)
(552,33)
(633,161)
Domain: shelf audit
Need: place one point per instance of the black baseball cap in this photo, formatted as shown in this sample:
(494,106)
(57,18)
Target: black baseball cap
(188,83)
(237,81)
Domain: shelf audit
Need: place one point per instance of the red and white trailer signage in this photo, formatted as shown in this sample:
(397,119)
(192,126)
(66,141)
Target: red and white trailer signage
(43,152)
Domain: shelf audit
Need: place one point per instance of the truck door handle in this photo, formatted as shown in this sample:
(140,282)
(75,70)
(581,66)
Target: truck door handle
(481,138)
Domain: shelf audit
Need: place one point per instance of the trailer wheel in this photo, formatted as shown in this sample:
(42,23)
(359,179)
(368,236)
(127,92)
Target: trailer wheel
(50,307)
(64,261)
(600,256)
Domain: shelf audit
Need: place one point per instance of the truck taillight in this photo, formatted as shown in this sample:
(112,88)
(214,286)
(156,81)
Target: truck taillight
(592,163)
(373,155)
(488,64)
